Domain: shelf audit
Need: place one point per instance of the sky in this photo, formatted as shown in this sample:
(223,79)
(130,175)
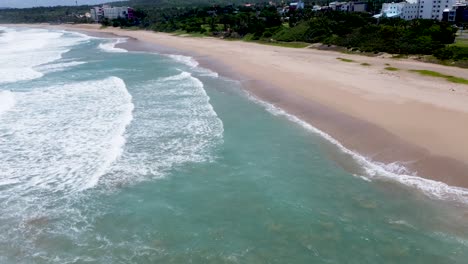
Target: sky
(31,3)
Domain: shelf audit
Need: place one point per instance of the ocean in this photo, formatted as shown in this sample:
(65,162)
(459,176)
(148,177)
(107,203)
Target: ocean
(114,156)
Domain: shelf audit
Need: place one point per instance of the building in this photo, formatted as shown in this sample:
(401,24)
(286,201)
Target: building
(412,9)
(296,5)
(458,14)
(434,9)
(406,10)
(96,13)
(106,11)
(336,5)
(392,10)
(353,6)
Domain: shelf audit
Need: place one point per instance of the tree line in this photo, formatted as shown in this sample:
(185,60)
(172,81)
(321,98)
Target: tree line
(357,31)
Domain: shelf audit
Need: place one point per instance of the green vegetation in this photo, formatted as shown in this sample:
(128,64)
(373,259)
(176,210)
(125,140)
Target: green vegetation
(262,23)
(184,33)
(59,14)
(460,42)
(365,64)
(441,75)
(344,59)
(391,69)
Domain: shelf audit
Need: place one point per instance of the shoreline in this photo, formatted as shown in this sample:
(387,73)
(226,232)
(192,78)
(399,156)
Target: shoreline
(368,110)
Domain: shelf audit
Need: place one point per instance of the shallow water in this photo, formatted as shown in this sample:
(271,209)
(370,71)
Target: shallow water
(110,156)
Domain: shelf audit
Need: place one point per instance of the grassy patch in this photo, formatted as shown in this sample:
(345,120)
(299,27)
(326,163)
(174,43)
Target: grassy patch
(297,45)
(132,28)
(459,42)
(344,59)
(365,64)
(387,64)
(391,69)
(399,56)
(449,78)
(184,33)
(292,44)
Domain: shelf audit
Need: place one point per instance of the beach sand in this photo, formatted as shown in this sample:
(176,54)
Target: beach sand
(387,116)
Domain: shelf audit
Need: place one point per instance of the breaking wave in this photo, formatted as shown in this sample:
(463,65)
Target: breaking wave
(177,125)
(76,127)
(109,46)
(193,65)
(22,51)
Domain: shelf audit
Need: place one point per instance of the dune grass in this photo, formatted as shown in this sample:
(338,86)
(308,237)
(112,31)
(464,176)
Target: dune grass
(344,59)
(365,64)
(449,78)
(391,69)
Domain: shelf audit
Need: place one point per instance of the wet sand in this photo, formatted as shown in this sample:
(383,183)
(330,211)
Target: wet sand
(420,122)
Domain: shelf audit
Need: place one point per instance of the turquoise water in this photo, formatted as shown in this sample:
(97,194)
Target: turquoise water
(110,156)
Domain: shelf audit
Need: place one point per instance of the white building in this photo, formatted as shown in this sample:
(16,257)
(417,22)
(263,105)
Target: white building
(106,11)
(115,12)
(412,9)
(296,5)
(96,13)
(392,10)
(434,9)
(352,6)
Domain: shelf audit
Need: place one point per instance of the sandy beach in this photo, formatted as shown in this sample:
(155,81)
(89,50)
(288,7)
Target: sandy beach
(388,116)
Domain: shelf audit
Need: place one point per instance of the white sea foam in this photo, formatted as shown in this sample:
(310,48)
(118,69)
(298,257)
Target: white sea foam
(109,46)
(55,142)
(7,101)
(176,124)
(194,65)
(394,171)
(57,67)
(179,77)
(63,138)
(24,50)
(189,61)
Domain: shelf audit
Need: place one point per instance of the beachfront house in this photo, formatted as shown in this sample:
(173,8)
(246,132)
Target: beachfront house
(106,11)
